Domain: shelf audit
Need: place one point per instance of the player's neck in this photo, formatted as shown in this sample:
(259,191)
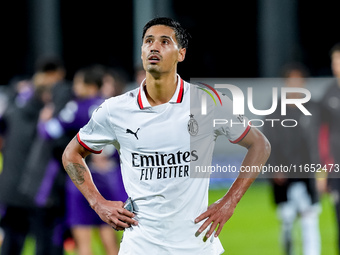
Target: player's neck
(160,89)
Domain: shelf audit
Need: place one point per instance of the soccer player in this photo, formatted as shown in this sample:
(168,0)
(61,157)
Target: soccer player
(105,170)
(329,132)
(296,194)
(20,121)
(161,139)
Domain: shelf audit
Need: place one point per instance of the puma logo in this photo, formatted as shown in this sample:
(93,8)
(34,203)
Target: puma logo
(133,133)
(99,108)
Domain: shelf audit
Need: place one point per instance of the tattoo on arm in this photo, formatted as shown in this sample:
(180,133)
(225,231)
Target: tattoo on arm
(76,172)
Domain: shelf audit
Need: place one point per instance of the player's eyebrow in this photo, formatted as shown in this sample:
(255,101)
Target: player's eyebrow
(162,36)
(166,37)
(169,38)
(148,36)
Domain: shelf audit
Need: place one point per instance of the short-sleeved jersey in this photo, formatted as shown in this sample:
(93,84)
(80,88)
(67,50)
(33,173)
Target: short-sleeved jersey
(159,148)
(71,118)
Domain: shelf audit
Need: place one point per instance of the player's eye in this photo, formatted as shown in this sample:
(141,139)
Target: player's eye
(165,42)
(148,41)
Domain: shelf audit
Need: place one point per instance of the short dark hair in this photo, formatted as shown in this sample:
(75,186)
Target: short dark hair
(181,34)
(295,66)
(93,75)
(335,48)
(48,64)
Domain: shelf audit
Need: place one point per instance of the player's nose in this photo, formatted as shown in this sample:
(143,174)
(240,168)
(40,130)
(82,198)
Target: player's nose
(156,47)
(154,51)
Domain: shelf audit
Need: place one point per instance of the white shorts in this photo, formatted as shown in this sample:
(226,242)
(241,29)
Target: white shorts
(298,202)
(168,237)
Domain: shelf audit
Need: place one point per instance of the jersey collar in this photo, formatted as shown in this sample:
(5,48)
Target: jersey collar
(176,98)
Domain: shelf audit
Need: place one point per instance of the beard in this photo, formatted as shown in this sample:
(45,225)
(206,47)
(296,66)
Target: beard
(153,69)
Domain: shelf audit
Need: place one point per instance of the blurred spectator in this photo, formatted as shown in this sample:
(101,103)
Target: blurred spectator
(21,215)
(3,105)
(105,169)
(296,194)
(329,138)
(114,83)
(106,174)
(140,75)
(43,180)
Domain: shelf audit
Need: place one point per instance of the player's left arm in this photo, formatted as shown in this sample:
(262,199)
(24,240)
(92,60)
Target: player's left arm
(220,212)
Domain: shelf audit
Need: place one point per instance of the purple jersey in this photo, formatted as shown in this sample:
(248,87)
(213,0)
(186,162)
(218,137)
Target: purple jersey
(71,118)
(77,113)
(110,185)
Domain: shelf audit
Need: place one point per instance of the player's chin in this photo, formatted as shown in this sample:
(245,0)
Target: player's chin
(153,68)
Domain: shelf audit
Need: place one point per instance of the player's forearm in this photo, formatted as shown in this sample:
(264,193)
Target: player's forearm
(221,211)
(257,155)
(80,175)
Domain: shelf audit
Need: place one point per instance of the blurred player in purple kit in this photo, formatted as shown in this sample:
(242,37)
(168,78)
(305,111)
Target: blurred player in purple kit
(105,170)
(41,220)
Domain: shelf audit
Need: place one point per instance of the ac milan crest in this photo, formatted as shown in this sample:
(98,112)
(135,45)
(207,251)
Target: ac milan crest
(192,126)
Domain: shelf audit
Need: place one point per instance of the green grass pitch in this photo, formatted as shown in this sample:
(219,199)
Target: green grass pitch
(254,228)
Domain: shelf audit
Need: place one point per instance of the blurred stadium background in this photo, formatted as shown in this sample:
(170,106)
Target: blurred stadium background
(242,39)
(252,38)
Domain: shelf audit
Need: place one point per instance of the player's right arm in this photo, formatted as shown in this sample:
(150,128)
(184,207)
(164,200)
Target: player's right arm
(111,212)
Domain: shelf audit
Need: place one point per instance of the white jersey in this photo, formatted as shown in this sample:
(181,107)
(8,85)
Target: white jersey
(159,148)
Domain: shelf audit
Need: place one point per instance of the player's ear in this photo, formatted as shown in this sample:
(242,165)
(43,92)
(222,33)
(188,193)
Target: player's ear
(181,54)
(141,52)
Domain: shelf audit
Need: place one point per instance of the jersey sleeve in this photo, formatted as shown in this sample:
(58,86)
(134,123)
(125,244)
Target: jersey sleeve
(98,132)
(234,127)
